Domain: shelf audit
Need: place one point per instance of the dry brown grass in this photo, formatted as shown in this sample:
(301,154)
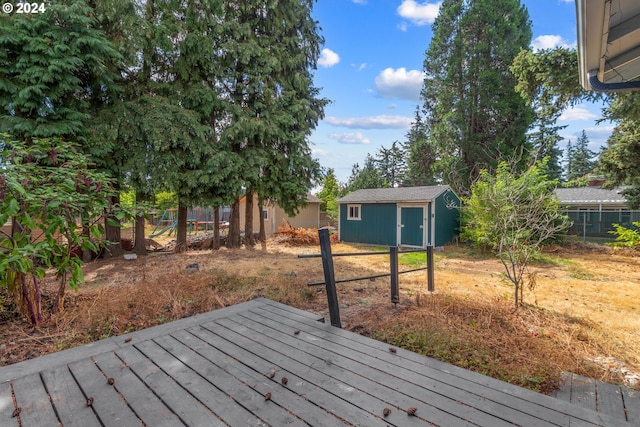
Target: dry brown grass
(586,306)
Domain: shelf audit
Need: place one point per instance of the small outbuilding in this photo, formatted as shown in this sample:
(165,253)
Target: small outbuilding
(274,216)
(404,216)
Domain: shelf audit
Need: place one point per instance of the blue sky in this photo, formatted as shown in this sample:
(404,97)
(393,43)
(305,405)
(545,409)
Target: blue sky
(371,70)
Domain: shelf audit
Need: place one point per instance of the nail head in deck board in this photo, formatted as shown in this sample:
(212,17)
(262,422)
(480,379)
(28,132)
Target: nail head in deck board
(68,399)
(145,404)
(234,402)
(180,401)
(32,398)
(109,406)
(6,406)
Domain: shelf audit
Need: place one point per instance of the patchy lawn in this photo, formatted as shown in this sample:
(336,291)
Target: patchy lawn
(584,313)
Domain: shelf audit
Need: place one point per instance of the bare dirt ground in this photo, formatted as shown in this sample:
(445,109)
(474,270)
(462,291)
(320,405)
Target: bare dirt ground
(583,317)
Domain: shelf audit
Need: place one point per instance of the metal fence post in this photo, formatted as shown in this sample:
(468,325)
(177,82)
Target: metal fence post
(430,285)
(393,261)
(329,277)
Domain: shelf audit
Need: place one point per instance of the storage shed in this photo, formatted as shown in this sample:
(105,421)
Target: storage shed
(405,216)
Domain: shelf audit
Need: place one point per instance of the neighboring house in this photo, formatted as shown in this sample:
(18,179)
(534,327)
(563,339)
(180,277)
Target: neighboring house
(594,210)
(274,215)
(405,216)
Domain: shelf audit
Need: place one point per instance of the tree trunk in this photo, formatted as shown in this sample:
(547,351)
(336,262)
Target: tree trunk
(249,241)
(139,247)
(86,253)
(263,232)
(181,237)
(216,230)
(233,237)
(112,232)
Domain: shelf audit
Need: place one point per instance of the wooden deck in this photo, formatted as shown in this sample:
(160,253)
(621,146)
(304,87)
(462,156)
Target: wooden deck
(216,368)
(617,401)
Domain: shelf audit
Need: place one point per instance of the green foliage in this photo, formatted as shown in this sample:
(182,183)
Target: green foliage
(620,160)
(513,215)
(391,164)
(366,176)
(474,116)
(46,185)
(582,160)
(53,67)
(627,237)
(165,200)
(421,155)
(329,195)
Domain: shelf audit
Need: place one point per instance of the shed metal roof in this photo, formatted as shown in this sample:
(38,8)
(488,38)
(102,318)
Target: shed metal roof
(590,195)
(395,195)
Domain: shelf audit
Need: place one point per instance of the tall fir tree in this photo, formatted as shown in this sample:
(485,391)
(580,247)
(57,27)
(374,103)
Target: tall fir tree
(545,139)
(271,105)
(420,154)
(582,160)
(391,164)
(474,115)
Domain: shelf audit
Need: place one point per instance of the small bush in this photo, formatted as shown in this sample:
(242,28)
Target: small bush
(627,237)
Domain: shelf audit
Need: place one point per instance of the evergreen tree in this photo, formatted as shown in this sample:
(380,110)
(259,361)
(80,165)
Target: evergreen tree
(53,66)
(623,145)
(366,176)
(421,154)
(474,116)
(268,52)
(329,195)
(391,164)
(545,140)
(582,159)
(568,159)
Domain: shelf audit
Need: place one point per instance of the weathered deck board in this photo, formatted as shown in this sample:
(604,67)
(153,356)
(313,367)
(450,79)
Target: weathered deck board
(610,399)
(68,399)
(215,369)
(31,397)
(6,406)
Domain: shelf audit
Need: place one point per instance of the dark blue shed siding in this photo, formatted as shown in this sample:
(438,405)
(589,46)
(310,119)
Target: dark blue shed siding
(447,217)
(378,225)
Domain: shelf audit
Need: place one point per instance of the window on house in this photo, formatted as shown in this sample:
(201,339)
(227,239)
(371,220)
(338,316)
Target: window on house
(353,212)
(265,214)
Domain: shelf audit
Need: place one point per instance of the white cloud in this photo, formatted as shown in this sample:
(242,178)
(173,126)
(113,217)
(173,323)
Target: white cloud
(359,67)
(350,138)
(419,13)
(403,26)
(371,122)
(319,152)
(549,41)
(328,58)
(365,1)
(400,83)
(577,113)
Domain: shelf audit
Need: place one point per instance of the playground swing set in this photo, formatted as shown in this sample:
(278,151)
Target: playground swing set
(169,221)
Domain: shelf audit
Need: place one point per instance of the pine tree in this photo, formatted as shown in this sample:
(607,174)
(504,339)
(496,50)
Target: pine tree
(582,159)
(545,140)
(421,154)
(474,116)
(366,176)
(391,164)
